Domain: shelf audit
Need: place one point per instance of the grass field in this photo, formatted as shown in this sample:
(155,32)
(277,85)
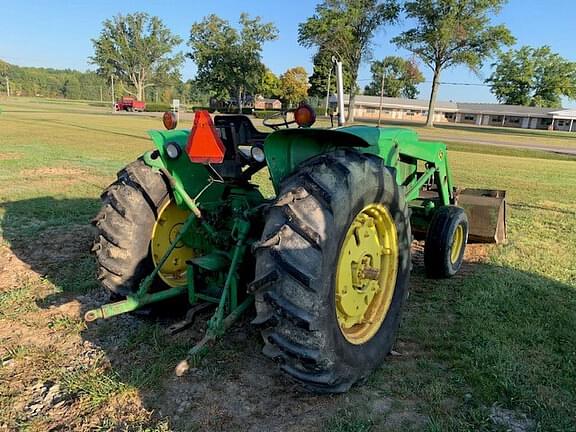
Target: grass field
(493,349)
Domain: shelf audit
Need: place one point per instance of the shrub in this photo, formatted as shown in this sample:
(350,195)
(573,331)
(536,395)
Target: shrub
(234,110)
(157,107)
(201,108)
(264,113)
(100,104)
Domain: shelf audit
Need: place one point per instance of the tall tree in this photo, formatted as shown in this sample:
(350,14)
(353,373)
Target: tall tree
(533,76)
(138,50)
(294,85)
(401,78)
(452,32)
(345,28)
(229,60)
(323,71)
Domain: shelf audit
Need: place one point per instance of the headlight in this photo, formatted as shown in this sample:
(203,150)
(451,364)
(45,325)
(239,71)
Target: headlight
(257,153)
(173,150)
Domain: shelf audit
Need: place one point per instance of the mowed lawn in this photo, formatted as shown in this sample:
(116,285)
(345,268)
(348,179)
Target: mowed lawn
(492,349)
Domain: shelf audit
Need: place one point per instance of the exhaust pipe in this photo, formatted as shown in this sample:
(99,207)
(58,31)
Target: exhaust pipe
(340,91)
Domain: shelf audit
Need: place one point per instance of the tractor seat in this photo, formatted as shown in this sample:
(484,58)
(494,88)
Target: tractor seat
(237,130)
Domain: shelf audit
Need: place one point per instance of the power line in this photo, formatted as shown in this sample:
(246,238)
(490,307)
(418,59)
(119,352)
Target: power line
(442,83)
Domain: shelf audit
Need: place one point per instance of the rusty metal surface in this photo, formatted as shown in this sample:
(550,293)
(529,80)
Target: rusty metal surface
(487,212)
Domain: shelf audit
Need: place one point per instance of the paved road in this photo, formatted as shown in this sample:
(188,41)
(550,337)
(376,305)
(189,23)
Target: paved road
(186,118)
(531,146)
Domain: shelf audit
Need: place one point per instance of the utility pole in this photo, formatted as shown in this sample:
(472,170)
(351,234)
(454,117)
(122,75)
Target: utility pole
(7,87)
(101,94)
(381,97)
(328,90)
(113,101)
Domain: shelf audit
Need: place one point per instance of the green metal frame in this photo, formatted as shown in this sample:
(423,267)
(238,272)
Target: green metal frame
(195,189)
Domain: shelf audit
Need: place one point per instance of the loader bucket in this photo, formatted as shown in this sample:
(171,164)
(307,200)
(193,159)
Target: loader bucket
(486,210)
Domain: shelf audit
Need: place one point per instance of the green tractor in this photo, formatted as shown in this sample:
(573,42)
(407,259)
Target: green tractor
(326,261)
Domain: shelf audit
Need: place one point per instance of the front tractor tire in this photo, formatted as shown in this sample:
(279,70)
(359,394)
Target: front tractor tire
(332,270)
(125,225)
(446,241)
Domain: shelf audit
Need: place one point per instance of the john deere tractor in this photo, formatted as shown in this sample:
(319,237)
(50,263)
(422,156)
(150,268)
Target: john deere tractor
(326,261)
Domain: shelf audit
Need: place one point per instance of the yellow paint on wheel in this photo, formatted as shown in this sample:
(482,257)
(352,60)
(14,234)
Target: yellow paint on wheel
(457,244)
(168,224)
(366,273)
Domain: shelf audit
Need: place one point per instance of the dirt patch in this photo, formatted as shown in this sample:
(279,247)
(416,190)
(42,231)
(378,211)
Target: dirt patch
(52,172)
(55,245)
(250,394)
(12,270)
(475,253)
(511,420)
(10,156)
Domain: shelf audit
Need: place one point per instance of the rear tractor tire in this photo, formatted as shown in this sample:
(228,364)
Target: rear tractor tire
(135,226)
(446,241)
(332,270)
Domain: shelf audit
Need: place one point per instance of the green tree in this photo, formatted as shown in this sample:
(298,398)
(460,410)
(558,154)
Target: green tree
(401,78)
(71,88)
(345,28)
(138,50)
(323,68)
(452,32)
(294,85)
(270,85)
(229,60)
(533,76)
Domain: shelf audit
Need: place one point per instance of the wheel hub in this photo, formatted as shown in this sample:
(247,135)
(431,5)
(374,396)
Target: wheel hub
(457,244)
(168,224)
(366,273)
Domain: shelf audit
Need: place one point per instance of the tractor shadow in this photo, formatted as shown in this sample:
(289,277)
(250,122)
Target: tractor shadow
(52,237)
(234,387)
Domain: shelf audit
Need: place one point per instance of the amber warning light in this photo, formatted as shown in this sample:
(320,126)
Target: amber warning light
(304,115)
(170,120)
(204,145)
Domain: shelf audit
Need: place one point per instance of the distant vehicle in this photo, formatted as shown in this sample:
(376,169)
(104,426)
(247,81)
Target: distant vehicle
(128,103)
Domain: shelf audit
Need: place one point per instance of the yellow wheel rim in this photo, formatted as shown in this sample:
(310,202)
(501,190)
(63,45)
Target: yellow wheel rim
(366,273)
(167,226)
(457,244)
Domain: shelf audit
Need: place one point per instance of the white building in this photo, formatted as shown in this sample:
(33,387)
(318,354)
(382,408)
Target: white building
(480,114)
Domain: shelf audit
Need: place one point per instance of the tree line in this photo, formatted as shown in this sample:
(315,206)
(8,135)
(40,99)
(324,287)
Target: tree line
(139,51)
(47,82)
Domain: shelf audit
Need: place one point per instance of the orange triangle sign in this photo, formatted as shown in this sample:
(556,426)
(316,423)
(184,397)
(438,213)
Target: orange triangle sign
(204,145)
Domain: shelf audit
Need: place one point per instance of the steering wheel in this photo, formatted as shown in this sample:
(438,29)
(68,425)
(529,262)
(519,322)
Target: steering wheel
(269,120)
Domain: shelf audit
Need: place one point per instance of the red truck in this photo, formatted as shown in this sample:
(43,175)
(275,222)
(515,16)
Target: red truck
(128,103)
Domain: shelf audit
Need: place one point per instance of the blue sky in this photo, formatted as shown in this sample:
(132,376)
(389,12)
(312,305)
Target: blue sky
(57,33)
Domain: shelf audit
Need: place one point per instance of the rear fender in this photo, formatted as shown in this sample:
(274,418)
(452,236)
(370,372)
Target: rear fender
(287,149)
